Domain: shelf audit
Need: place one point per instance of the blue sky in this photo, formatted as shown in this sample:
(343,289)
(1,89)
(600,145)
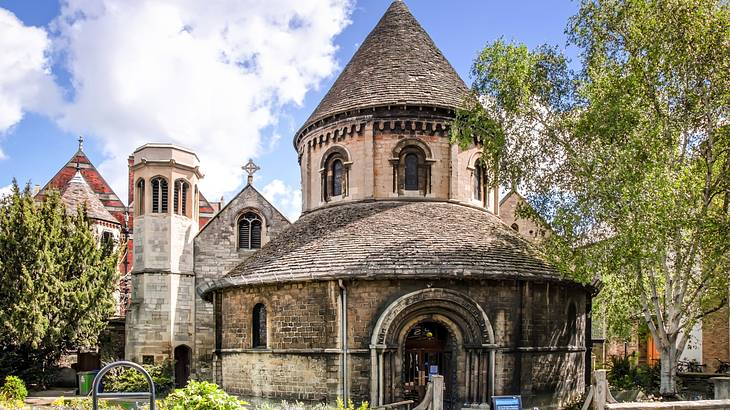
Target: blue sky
(108,69)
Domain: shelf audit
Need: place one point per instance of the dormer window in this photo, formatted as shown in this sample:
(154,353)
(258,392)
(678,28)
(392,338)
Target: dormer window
(249,231)
(159,195)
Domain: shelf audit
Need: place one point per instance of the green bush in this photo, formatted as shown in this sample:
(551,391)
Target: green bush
(201,396)
(81,403)
(125,379)
(622,375)
(350,405)
(13,392)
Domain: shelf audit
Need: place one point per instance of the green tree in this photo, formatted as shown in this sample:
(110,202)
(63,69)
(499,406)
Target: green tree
(628,159)
(56,284)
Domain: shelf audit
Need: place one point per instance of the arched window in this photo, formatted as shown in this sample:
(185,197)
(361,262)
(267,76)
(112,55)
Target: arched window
(337,177)
(481,182)
(159,195)
(258,326)
(411,172)
(140,197)
(411,162)
(335,169)
(249,231)
(515,227)
(180,197)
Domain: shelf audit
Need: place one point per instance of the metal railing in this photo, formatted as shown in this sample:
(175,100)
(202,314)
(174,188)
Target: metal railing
(96,394)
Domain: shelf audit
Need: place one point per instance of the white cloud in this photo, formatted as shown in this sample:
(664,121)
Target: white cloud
(6,190)
(25,79)
(285,198)
(2,155)
(206,75)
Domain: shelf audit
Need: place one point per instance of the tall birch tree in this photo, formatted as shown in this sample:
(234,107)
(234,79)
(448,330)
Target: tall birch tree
(628,158)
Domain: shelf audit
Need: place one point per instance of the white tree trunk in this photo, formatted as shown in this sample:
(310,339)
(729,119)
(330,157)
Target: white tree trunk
(669,357)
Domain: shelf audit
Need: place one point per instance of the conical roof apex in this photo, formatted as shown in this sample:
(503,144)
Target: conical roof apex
(397,64)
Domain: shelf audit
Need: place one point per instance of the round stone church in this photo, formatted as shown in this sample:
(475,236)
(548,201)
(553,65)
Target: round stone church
(401,265)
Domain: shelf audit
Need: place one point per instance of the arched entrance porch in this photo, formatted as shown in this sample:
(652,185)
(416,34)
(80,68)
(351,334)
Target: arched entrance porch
(466,347)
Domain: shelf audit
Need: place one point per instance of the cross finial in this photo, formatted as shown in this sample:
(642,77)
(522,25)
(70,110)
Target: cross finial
(81,142)
(251,168)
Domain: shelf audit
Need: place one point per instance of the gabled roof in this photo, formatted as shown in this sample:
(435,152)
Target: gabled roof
(397,64)
(93,178)
(225,207)
(77,193)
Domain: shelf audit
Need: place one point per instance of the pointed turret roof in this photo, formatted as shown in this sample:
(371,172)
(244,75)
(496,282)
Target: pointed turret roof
(104,193)
(77,192)
(397,64)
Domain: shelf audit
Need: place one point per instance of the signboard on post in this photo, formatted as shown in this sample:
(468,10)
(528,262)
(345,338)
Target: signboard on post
(507,402)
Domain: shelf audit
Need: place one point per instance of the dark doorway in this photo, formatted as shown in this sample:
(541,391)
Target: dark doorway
(427,350)
(183,357)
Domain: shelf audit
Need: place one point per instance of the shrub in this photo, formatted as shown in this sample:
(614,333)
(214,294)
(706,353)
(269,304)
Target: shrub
(621,375)
(201,396)
(351,406)
(81,403)
(13,392)
(125,379)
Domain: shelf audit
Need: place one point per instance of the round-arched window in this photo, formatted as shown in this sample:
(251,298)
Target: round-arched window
(159,195)
(411,172)
(249,231)
(258,326)
(337,177)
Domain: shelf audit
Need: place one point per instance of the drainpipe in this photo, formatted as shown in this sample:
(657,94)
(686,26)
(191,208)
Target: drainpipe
(343,341)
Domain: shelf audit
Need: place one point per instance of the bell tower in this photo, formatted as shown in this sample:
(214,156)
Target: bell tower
(166,220)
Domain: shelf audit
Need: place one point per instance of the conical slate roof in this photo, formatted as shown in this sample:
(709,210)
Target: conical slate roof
(78,192)
(397,64)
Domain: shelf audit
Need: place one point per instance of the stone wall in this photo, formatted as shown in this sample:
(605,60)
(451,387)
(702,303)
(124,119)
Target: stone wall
(526,227)
(535,354)
(370,140)
(160,315)
(216,253)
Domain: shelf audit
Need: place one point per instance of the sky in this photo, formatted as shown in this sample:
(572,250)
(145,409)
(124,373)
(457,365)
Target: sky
(229,79)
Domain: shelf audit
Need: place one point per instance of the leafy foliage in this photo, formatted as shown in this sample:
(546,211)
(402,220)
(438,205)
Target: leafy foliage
(623,375)
(13,392)
(125,379)
(56,284)
(201,396)
(628,159)
(350,405)
(81,403)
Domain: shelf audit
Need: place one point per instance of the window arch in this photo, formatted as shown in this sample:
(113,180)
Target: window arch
(481,182)
(180,197)
(249,231)
(335,173)
(411,167)
(140,197)
(258,326)
(515,227)
(159,195)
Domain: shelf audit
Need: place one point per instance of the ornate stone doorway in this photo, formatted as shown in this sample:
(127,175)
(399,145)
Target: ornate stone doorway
(462,347)
(183,357)
(428,350)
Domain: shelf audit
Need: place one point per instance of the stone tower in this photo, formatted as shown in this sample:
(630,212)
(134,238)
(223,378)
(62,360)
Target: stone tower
(166,218)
